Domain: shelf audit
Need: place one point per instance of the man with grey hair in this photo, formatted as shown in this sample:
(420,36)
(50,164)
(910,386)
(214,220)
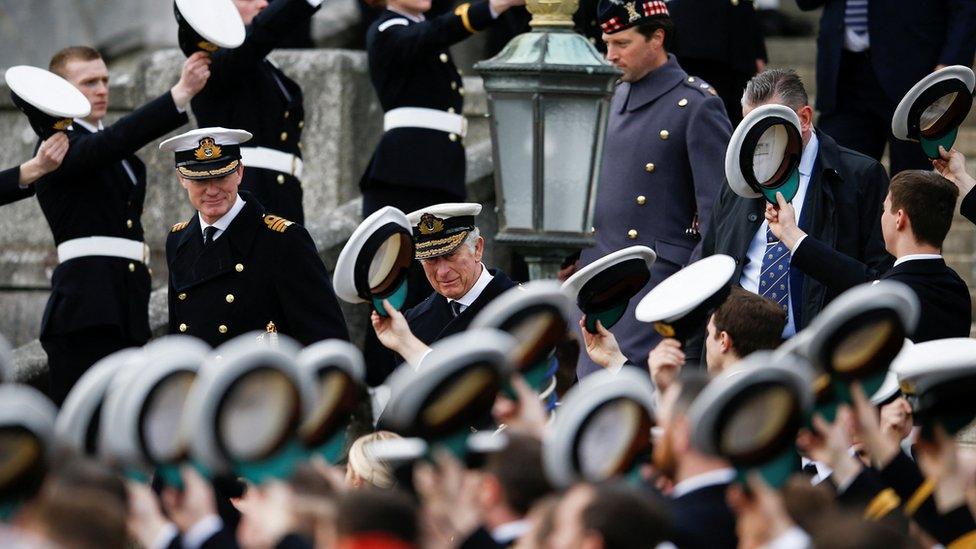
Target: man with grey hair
(449,247)
(838,200)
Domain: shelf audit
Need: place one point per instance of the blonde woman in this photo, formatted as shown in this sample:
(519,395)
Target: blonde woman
(363,469)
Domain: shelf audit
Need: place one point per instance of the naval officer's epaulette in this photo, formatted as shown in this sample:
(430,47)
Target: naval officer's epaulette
(276,223)
(179,226)
(700,85)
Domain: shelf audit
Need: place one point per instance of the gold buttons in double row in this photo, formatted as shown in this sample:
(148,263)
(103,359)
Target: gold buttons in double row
(132,267)
(183,327)
(128,223)
(284,136)
(230,298)
(301,124)
(452,136)
(222,329)
(632,234)
(281,179)
(664,134)
(182,296)
(683,103)
(443,57)
(649,167)
(239,267)
(641,200)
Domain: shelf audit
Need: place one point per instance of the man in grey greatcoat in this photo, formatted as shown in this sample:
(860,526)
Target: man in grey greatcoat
(663,160)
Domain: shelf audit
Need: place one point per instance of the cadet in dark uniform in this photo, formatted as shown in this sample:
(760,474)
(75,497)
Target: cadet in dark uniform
(421,92)
(93,203)
(248,91)
(17,183)
(663,159)
(233,268)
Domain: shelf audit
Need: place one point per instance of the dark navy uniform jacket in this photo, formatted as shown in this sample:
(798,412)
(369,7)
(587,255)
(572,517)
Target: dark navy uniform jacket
(262,269)
(432,319)
(663,165)
(10,190)
(410,66)
(247,92)
(91,194)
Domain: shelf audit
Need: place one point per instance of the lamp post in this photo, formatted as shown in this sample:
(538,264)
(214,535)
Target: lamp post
(548,97)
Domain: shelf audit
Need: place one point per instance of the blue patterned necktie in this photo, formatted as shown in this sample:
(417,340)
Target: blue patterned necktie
(774,276)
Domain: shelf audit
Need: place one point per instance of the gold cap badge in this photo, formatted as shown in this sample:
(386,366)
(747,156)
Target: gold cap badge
(632,14)
(429,224)
(208,150)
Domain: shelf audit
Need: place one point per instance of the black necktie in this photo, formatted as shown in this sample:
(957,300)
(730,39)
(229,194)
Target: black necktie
(455,308)
(208,235)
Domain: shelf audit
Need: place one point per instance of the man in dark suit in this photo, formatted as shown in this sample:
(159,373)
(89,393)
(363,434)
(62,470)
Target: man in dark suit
(17,183)
(871,52)
(720,42)
(249,92)
(234,269)
(839,200)
(701,480)
(662,160)
(449,247)
(93,203)
(915,219)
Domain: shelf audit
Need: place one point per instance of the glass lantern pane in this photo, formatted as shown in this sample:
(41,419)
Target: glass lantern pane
(569,139)
(514,116)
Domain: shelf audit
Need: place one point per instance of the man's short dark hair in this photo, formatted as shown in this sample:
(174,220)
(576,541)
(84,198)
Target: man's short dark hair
(929,200)
(753,322)
(650,26)
(625,517)
(71,53)
(376,511)
(518,468)
(783,83)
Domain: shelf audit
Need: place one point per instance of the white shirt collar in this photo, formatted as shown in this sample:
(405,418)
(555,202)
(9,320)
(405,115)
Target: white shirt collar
(809,156)
(724,475)
(823,472)
(510,531)
(225,220)
(467,299)
(88,126)
(915,257)
(414,18)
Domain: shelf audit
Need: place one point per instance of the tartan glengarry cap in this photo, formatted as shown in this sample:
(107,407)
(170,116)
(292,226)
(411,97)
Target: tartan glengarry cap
(440,229)
(617,15)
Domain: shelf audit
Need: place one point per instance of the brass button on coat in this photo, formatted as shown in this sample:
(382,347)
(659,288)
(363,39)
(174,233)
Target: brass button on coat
(182,296)
(132,267)
(128,223)
(632,234)
(454,85)
(222,329)
(691,79)
(301,124)
(443,57)
(649,167)
(641,200)
(452,136)
(281,179)
(230,298)
(683,103)
(239,267)
(284,136)
(664,134)
(287,114)
(450,110)
(183,327)
(460,91)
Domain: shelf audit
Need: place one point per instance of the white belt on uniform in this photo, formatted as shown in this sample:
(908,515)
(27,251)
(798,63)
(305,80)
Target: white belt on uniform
(271,159)
(431,119)
(106,246)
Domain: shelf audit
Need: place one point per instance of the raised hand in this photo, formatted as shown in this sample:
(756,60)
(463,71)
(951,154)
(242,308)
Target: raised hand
(196,72)
(665,362)
(48,158)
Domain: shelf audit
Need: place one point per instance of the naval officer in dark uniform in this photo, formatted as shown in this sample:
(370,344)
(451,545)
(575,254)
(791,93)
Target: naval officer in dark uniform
(93,203)
(232,267)
(249,92)
(663,159)
(419,160)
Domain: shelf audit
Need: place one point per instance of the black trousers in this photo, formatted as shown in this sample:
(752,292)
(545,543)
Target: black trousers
(380,361)
(728,82)
(862,119)
(70,355)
